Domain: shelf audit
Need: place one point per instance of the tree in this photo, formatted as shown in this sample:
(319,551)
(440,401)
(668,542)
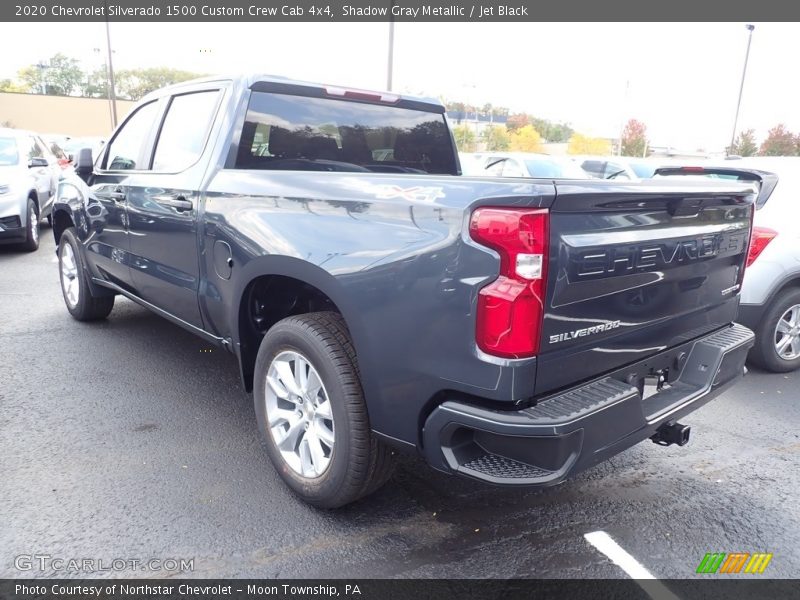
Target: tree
(60,76)
(496,138)
(517,121)
(582,144)
(8,85)
(634,138)
(136,83)
(745,144)
(95,84)
(779,142)
(526,139)
(465,138)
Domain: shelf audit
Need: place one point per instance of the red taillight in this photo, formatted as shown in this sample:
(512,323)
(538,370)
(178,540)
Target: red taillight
(759,239)
(510,309)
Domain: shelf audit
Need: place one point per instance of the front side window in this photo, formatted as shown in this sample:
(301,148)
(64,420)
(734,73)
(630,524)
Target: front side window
(125,149)
(185,129)
(322,134)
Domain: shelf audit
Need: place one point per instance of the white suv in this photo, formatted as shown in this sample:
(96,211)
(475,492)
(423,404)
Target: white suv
(770,300)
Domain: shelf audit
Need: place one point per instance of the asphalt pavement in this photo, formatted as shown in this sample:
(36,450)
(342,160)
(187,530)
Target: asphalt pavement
(131,438)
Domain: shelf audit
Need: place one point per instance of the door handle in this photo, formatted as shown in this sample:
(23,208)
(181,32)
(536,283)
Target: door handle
(179,203)
(117,195)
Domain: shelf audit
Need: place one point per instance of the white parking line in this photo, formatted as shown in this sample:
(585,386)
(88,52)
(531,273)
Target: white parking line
(617,554)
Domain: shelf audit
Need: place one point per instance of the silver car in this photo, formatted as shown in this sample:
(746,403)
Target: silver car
(29,176)
(770,298)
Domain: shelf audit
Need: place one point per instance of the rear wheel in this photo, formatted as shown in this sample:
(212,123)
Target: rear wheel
(777,345)
(81,304)
(31,242)
(311,412)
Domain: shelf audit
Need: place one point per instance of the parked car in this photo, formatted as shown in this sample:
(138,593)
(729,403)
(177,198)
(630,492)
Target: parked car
(28,179)
(515,331)
(528,164)
(770,303)
(73,145)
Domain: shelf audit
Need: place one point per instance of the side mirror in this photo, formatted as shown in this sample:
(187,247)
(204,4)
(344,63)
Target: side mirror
(37,162)
(84,164)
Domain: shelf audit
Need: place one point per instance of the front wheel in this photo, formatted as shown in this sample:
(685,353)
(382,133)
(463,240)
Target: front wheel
(777,346)
(31,242)
(311,412)
(81,304)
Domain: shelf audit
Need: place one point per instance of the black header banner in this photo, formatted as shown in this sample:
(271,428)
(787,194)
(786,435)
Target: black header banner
(396,589)
(397,10)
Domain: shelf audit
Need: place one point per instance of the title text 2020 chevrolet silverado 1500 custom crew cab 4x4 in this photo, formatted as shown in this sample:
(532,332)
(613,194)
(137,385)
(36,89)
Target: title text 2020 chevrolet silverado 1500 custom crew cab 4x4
(511,330)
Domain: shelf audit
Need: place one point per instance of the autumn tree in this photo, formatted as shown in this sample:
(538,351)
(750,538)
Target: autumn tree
(744,144)
(582,144)
(526,139)
(517,121)
(465,138)
(496,138)
(634,138)
(779,142)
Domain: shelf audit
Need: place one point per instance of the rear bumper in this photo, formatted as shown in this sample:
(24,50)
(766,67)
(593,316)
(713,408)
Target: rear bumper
(750,315)
(575,429)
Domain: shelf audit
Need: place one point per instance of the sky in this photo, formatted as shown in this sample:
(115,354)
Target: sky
(681,79)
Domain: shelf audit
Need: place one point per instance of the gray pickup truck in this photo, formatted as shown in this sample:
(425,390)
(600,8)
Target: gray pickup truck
(515,331)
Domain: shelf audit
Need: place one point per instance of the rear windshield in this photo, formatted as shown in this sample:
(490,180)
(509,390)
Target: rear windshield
(8,151)
(322,134)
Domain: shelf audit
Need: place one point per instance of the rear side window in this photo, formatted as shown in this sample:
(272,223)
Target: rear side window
(9,155)
(34,149)
(321,134)
(126,148)
(185,129)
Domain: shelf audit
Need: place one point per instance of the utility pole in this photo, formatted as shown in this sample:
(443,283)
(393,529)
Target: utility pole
(390,65)
(750,29)
(112,94)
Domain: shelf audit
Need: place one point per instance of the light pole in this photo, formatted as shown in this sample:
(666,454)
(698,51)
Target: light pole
(390,64)
(112,93)
(750,29)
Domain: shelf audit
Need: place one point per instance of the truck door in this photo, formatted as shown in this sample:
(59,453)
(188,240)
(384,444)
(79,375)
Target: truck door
(163,205)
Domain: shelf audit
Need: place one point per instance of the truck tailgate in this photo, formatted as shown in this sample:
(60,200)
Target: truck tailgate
(637,268)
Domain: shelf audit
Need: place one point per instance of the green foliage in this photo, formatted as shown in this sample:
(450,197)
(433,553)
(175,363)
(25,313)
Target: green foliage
(60,76)
(496,138)
(744,145)
(8,85)
(634,139)
(137,83)
(465,138)
(95,84)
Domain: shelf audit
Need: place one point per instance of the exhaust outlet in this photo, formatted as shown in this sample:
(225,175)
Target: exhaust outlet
(672,433)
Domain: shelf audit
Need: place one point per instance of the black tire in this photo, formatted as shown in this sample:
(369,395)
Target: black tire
(764,353)
(31,243)
(50,220)
(359,463)
(86,307)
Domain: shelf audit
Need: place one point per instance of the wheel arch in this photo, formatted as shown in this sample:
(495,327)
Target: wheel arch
(290,286)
